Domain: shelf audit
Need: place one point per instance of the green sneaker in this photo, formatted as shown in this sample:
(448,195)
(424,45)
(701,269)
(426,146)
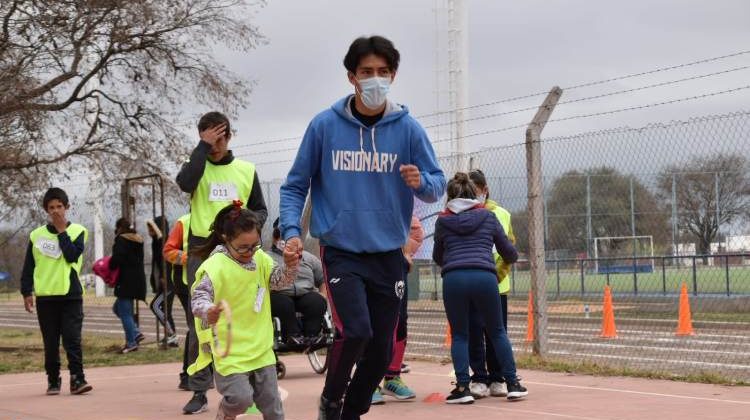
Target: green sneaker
(377,397)
(397,388)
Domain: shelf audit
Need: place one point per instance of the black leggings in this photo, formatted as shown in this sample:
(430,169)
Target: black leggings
(311,305)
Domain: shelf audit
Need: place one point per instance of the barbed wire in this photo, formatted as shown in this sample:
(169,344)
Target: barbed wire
(531,95)
(588,98)
(596,114)
(594,83)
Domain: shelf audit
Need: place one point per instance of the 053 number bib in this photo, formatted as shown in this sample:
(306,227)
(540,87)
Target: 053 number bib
(49,248)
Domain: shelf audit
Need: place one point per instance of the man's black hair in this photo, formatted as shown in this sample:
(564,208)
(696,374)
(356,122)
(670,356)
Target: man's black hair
(363,46)
(212,119)
(55,193)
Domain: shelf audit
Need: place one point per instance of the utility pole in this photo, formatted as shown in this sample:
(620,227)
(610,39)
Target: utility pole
(458,75)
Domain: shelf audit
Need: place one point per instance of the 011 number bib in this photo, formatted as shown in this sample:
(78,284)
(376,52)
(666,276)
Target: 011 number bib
(226,191)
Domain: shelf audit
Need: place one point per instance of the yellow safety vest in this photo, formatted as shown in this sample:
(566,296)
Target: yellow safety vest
(51,270)
(219,185)
(503,269)
(252,332)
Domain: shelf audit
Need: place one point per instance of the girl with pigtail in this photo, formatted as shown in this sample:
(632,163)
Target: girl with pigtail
(238,274)
(464,236)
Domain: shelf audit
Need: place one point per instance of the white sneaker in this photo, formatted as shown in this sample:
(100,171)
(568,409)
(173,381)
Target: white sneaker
(498,389)
(479,390)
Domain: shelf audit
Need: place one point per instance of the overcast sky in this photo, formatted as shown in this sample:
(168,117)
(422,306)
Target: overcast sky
(515,48)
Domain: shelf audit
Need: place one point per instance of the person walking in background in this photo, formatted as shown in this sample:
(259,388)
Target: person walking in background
(464,235)
(487,377)
(127,255)
(176,253)
(214,178)
(363,161)
(161,304)
(393,385)
(51,272)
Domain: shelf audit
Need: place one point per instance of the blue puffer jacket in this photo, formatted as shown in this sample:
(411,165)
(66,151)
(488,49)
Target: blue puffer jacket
(464,240)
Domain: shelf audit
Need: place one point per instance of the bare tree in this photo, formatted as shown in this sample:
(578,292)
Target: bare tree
(710,191)
(107,83)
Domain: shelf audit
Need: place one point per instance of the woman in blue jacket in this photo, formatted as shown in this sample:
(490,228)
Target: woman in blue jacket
(464,235)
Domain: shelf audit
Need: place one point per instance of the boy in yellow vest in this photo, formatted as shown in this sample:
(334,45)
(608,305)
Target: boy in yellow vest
(51,269)
(487,378)
(214,177)
(237,271)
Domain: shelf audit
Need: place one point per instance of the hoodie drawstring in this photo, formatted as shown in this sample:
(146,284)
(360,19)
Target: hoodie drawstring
(372,138)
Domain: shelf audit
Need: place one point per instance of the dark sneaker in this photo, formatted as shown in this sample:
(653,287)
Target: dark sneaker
(516,391)
(53,385)
(460,395)
(183,382)
(128,348)
(197,404)
(140,337)
(405,368)
(78,385)
(329,410)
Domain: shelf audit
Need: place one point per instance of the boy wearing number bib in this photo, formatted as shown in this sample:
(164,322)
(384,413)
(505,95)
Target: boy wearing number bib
(214,177)
(50,272)
(239,273)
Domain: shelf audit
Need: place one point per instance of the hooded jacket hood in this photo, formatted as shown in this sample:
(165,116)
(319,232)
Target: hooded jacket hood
(466,221)
(133,237)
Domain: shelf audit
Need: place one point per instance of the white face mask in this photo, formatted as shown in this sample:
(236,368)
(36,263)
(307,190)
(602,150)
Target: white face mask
(482,198)
(374,90)
(280,244)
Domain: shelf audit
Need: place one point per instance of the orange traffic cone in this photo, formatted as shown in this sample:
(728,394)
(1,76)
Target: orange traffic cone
(530,319)
(685,323)
(448,341)
(608,316)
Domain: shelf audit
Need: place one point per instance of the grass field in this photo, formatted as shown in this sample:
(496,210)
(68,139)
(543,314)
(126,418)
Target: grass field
(709,280)
(21,350)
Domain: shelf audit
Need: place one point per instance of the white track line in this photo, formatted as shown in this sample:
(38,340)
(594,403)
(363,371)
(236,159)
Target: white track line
(624,391)
(540,413)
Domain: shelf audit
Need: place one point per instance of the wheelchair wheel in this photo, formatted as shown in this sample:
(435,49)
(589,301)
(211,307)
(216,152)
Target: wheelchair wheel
(280,370)
(319,360)
(319,356)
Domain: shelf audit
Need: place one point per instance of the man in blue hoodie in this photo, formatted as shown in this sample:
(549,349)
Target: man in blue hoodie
(363,160)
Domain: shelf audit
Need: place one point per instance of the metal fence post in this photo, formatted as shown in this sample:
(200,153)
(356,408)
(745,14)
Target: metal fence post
(536,218)
(663,276)
(726,271)
(583,287)
(695,278)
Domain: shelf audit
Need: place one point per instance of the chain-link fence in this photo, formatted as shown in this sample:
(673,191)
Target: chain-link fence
(642,211)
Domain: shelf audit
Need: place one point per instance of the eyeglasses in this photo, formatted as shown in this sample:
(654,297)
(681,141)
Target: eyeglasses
(245,249)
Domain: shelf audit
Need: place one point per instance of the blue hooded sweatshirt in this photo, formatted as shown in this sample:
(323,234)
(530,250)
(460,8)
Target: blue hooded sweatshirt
(360,203)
